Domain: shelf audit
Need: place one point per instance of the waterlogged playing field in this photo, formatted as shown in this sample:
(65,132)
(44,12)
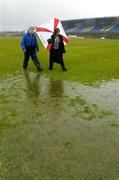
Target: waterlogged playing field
(60,125)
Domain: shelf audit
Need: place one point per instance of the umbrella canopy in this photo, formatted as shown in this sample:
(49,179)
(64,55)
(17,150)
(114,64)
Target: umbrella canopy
(45,31)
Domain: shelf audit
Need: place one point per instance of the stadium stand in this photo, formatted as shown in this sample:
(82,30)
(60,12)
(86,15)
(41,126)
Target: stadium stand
(115,28)
(96,28)
(107,27)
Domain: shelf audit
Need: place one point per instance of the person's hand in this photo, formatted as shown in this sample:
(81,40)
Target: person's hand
(49,41)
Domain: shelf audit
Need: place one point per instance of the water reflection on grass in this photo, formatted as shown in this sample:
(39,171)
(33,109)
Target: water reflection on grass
(53,129)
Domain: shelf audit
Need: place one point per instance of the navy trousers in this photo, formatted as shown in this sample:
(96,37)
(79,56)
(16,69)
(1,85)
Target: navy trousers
(31,52)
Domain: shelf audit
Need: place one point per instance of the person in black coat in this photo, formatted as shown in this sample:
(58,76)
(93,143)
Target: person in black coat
(57,49)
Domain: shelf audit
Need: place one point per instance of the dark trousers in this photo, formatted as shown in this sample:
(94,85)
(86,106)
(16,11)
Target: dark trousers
(31,53)
(56,57)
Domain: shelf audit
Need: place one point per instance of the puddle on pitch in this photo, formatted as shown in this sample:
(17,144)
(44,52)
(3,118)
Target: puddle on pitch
(86,102)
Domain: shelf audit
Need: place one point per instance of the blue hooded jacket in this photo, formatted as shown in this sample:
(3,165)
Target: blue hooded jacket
(29,41)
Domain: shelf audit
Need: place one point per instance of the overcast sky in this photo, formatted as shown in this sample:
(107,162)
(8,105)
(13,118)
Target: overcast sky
(20,14)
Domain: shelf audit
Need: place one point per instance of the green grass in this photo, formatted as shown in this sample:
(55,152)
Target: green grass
(87,60)
(46,133)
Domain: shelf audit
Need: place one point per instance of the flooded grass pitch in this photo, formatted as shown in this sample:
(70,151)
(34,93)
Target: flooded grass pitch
(53,129)
(60,125)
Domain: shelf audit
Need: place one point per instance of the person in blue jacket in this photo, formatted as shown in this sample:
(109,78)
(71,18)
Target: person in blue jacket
(30,48)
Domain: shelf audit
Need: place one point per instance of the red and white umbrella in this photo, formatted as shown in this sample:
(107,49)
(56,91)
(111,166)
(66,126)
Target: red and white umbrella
(45,31)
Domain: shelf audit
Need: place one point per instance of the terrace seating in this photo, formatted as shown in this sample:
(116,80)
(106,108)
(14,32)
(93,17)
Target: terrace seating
(67,27)
(106,28)
(92,26)
(96,28)
(115,28)
(79,29)
(87,29)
